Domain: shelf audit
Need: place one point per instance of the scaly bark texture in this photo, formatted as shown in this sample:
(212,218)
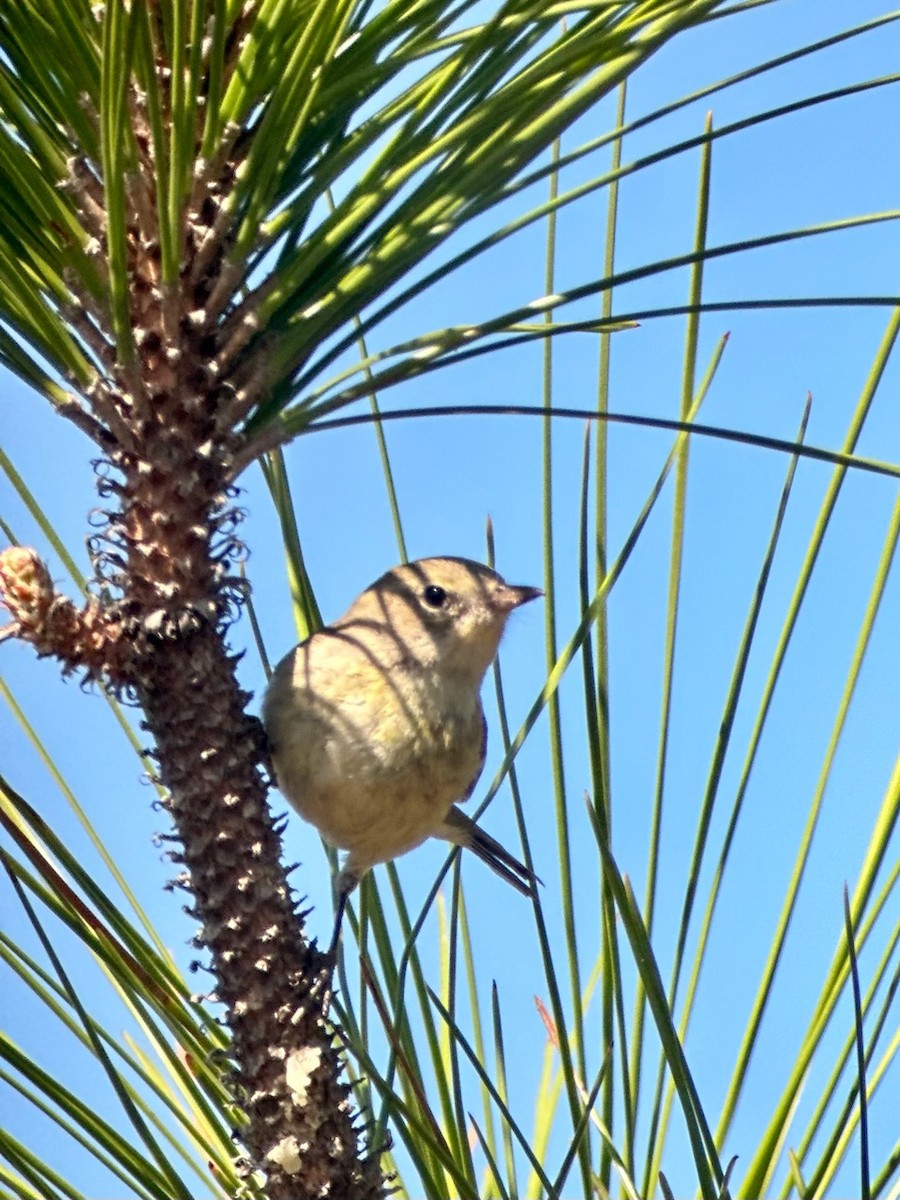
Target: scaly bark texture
(207,749)
(165,415)
(163,638)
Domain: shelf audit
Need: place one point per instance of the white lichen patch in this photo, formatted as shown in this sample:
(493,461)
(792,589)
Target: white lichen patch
(299,1069)
(286,1154)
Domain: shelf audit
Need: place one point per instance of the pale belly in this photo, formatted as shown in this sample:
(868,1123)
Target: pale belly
(377,824)
(378,796)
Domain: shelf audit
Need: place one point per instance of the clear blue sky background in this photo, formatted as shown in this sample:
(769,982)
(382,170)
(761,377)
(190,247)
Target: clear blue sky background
(826,163)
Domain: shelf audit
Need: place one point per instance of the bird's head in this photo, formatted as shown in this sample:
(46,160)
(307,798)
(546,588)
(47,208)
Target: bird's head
(448,613)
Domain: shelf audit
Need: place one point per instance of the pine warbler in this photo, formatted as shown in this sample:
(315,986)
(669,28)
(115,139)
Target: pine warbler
(375,722)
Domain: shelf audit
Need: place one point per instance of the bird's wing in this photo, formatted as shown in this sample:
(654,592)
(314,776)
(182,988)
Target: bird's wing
(481,761)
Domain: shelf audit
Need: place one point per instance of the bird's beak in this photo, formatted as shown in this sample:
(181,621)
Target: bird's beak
(512,596)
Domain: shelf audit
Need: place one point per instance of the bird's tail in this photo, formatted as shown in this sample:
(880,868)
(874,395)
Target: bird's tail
(462,831)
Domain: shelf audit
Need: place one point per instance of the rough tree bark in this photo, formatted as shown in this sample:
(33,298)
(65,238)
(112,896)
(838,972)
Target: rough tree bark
(165,421)
(163,638)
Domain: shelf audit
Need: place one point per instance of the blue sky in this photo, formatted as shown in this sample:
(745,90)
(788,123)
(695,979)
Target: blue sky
(827,163)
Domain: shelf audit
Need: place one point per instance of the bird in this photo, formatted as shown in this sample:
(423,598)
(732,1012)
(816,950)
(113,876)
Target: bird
(375,725)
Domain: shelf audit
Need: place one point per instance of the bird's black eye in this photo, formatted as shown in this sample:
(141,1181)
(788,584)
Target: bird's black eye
(434,596)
